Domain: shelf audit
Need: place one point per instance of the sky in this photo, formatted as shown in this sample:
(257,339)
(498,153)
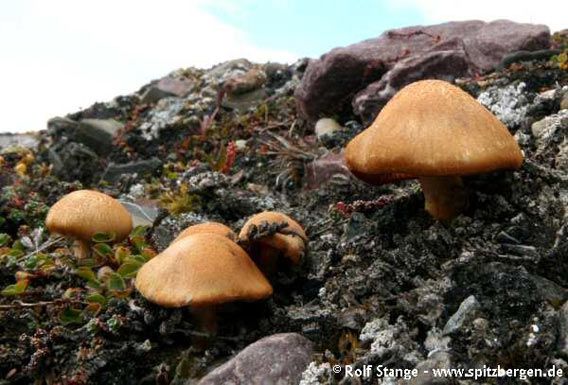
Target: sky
(58,56)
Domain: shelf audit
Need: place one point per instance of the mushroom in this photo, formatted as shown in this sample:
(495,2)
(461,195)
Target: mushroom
(83,213)
(269,235)
(433,131)
(202,271)
(207,227)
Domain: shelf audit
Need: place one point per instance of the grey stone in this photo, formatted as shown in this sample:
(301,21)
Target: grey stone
(144,213)
(564,101)
(326,126)
(244,101)
(563,337)
(97,134)
(141,167)
(59,126)
(30,141)
(473,46)
(510,104)
(74,161)
(437,360)
(466,310)
(278,359)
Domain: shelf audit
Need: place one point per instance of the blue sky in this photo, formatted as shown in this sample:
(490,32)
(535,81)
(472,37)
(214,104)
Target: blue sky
(57,56)
(310,28)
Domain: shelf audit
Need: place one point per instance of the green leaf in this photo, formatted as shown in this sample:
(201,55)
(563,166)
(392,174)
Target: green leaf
(96,298)
(139,231)
(104,237)
(71,316)
(4,239)
(116,283)
(129,268)
(88,274)
(103,250)
(15,289)
(18,246)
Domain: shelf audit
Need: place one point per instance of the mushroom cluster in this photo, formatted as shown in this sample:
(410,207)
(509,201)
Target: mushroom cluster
(433,131)
(205,266)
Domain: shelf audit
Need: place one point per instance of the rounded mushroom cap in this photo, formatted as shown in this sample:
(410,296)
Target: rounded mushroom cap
(83,213)
(201,270)
(291,242)
(431,128)
(207,227)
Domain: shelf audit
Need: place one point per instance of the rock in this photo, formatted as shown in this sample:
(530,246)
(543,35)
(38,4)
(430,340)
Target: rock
(438,360)
(221,72)
(74,161)
(239,84)
(317,374)
(278,359)
(474,45)
(510,104)
(564,101)
(115,171)
(323,168)
(144,212)
(466,310)
(164,114)
(97,134)
(444,65)
(545,129)
(326,126)
(29,141)
(168,86)
(563,337)
(244,101)
(59,127)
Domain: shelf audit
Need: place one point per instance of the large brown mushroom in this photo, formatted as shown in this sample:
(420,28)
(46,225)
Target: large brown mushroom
(83,213)
(271,234)
(433,131)
(202,271)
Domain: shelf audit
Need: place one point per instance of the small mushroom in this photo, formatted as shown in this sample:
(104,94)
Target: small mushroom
(269,235)
(202,271)
(83,213)
(207,227)
(433,131)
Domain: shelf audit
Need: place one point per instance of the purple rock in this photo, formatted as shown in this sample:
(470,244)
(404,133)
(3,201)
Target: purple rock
(278,359)
(443,51)
(322,169)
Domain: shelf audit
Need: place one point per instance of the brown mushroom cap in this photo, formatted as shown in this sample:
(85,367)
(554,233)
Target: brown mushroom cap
(207,227)
(431,128)
(83,213)
(291,245)
(201,270)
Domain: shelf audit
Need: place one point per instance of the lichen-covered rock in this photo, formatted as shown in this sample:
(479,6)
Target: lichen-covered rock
(279,359)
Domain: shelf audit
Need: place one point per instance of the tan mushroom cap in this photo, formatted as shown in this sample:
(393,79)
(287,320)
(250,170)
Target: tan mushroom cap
(83,213)
(431,128)
(207,227)
(291,245)
(201,270)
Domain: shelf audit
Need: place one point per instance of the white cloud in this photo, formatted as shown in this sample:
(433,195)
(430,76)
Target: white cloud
(550,12)
(61,55)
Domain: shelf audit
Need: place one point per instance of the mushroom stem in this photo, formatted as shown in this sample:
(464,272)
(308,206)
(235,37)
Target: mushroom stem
(81,249)
(445,196)
(266,259)
(206,319)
